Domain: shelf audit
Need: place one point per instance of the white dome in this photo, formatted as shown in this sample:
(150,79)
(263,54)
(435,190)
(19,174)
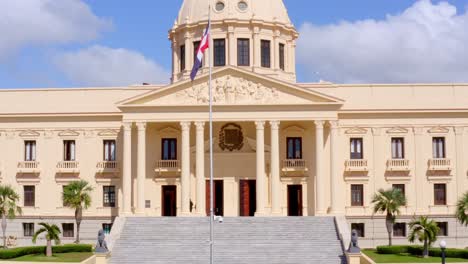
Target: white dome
(267,10)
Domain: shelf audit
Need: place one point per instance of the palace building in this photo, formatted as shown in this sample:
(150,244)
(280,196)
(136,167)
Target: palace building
(281,148)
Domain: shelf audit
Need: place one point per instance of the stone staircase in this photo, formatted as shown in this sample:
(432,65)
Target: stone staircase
(237,241)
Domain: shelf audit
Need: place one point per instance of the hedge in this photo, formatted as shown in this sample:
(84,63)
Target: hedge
(418,251)
(22,251)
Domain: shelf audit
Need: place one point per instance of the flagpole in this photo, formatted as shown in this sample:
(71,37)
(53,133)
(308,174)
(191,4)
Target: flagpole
(211,143)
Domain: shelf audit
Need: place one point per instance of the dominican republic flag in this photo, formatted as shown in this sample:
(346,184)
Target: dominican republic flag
(204,45)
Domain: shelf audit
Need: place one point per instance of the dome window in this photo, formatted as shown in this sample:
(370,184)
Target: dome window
(242,5)
(219,6)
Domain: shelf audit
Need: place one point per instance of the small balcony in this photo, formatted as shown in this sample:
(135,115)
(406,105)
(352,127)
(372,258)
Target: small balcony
(356,165)
(440,164)
(398,165)
(167,166)
(28,167)
(108,167)
(68,167)
(294,165)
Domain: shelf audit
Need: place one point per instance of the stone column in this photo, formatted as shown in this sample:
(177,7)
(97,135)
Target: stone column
(275,169)
(188,52)
(460,160)
(260,185)
(200,173)
(420,161)
(141,168)
(175,60)
(256,48)
(319,177)
(185,174)
(127,169)
(334,177)
(232,47)
(275,50)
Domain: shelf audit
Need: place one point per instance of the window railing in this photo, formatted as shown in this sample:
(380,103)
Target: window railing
(167,166)
(68,166)
(398,164)
(440,164)
(107,165)
(356,165)
(294,164)
(28,166)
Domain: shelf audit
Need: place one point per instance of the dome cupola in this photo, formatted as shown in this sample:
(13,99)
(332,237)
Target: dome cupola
(256,35)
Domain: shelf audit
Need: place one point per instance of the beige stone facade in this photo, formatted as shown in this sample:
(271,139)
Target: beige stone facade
(280,147)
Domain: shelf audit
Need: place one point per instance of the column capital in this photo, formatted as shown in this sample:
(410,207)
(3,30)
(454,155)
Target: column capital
(459,130)
(200,125)
(377,131)
(418,130)
(275,124)
(127,126)
(319,124)
(334,124)
(141,125)
(185,125)
(260,125)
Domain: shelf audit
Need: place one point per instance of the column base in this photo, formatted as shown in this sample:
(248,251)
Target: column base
(140,213)
(185,214)
(277,214)
(320,213)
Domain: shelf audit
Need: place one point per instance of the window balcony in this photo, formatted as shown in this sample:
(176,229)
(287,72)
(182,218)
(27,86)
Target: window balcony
(68,167)
(294,165)
(167,166)
(356,165)
(108,167)
(28,167)
(398,165)
(440,164)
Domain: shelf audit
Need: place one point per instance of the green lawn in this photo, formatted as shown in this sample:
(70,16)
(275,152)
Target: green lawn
(405,258)
(59,257)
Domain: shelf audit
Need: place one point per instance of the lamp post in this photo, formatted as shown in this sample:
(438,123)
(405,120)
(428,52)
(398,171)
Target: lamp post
(443,246)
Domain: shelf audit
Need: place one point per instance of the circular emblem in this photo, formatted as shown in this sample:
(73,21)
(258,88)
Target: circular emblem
(231,137)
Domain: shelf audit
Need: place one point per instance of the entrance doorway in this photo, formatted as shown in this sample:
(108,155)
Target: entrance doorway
(218,201)
(247,197)
(169,200)
(295,200)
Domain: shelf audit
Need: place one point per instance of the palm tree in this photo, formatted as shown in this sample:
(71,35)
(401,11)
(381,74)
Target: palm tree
(8,207)
(52,233)
(462,210)
(389,202)
(424,230)
(77,196)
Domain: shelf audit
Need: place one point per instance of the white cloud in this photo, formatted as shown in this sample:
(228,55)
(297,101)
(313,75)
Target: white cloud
(46,22)
(104,66)
(425,43)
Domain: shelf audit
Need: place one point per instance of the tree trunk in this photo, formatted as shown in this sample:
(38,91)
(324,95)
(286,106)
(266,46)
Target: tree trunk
(78,218)
(49,248)
(426,249)
(4,226)
(389,225)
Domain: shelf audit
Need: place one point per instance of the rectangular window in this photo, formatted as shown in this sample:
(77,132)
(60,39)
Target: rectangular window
(107,228)
(29,196)
(109,150)
(68,230)
(357,148)
(443,228)
(265,53)
(281,56)
(440,194)
(400,187)
(360,229)
(219,51)
(182,58)
(69,150)
(28,229)
(398,148)
(169,149)
(294,147)
(438,147)
(243,52)
(399,230)
(30,150)
(357,195)
(108,196)
(196,45)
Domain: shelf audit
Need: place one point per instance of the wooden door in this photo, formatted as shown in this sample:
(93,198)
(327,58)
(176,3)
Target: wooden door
(247,197)
(169,200)
(295,200)
(218,194)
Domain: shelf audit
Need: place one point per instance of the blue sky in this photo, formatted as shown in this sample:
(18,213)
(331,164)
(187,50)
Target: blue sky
(136,31)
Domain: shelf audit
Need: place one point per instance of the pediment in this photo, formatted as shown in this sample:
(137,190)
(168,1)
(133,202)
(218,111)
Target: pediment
(169,130)
(292,129)
(397,130)
(29,133)
(231,86)
(438,130)
(68,133)
(108,133)
(356,131)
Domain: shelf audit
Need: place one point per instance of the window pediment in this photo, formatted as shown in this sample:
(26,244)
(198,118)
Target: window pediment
(438,130)
(356,131)
(397,130)
(68,133)
(29,133)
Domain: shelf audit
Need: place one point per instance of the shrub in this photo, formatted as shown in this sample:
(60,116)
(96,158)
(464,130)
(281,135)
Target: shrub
(22,251)
(392,250)
(418,251)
